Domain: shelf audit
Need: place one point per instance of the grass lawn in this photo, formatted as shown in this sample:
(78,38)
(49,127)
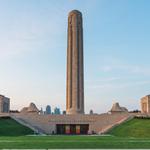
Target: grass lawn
(69,142)
(9,127)
(137,128)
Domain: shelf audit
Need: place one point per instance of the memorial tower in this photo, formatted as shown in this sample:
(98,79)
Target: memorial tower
(75,67)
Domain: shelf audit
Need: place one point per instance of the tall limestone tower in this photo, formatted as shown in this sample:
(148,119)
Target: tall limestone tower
(75,73)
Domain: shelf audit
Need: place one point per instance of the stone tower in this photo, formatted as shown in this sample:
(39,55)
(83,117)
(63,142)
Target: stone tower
(75,73)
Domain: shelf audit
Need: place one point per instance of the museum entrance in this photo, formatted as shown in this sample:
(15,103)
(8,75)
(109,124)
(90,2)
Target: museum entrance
(72,128)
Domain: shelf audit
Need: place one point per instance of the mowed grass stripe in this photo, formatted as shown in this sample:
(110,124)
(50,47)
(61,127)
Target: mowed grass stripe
(79,142)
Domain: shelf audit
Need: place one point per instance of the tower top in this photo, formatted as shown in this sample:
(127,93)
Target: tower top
(77,12)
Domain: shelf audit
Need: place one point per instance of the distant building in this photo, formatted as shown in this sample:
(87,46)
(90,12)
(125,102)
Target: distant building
(145,104)
(48,109)
(57,111)
(64,112)
(4,104)
(41,111)
(91,112)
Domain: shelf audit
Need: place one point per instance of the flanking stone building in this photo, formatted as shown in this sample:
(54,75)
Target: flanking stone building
(4,104)
(145,104)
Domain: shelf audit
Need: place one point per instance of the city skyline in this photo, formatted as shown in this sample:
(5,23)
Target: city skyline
(116,52)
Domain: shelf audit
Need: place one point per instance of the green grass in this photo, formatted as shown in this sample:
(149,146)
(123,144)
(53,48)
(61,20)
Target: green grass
(9,127)
(134,128)
(72,142)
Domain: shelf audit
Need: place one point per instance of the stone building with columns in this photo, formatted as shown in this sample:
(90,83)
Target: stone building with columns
(145,104)
(4,104)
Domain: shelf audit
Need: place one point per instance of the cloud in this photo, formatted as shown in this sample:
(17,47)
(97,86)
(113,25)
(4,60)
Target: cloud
(141,70)
(109,79)
(118,85)
(130,69)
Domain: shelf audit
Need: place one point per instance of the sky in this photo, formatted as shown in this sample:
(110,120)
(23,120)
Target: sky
(33,44)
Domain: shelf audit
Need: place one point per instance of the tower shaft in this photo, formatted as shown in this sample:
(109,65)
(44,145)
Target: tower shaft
(75,73)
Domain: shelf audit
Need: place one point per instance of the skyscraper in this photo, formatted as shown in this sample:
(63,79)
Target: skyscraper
(75,70)
(48,109)
(57,111)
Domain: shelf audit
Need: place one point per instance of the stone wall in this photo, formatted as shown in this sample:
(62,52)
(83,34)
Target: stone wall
(97,123)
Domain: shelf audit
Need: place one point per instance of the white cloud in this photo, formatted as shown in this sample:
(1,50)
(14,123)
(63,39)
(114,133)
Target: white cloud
(130,69)
(140,70)
(110,86)
(109,79)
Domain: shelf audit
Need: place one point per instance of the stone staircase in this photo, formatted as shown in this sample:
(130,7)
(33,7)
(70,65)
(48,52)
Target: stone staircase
(26,123)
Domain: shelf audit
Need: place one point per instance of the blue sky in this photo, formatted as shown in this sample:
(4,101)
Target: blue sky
(33,42)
